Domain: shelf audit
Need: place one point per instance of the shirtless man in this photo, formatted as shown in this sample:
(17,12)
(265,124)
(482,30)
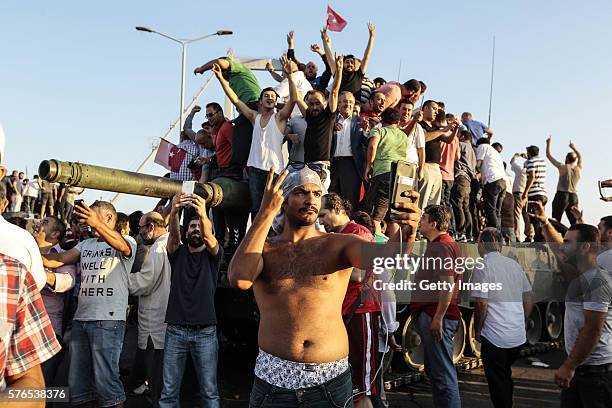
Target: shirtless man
(299,280)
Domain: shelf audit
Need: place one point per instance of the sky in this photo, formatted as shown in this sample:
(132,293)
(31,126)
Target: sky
(79,83)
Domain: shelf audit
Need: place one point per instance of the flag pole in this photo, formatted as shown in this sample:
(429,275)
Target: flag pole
(399,71)
(491,89)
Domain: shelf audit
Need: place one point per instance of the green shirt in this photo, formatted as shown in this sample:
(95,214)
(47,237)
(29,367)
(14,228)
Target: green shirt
(391,147)
(243,82)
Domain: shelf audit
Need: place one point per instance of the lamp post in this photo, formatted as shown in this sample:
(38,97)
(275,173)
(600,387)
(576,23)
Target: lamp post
(183,43)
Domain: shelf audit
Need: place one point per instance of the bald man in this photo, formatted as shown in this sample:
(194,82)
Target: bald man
(152,286)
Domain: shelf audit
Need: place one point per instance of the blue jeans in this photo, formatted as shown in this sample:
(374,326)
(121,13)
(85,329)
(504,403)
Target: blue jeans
(439,365)
(337,392)
(95,348)
(257,184)
(203,346)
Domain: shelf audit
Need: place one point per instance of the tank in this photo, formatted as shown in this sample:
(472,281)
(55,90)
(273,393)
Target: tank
(222,193)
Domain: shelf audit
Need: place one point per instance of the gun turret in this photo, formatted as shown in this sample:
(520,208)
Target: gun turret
(223,192)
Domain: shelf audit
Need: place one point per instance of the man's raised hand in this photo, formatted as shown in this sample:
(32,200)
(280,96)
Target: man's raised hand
(325,35)
(272,199)
(340,61)
(371,28)
(196,109)
(317,49)
(290,39)
(537,211)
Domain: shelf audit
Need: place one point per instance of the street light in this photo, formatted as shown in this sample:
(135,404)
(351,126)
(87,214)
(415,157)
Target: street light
(183,43)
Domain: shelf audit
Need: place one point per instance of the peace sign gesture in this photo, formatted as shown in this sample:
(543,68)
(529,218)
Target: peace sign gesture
(273,195)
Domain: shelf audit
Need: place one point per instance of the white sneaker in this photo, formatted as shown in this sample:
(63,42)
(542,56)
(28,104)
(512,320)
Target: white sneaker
(142,389)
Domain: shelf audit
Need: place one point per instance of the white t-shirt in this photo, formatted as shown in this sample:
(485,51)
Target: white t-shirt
(103,291)
(19,244)
(416,140)
(591,291)
(492,168)
(301,83)
(605,260)
(267,147)
(504,325)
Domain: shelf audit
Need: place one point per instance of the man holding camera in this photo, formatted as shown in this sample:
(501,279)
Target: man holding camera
(99,322)
(191,315)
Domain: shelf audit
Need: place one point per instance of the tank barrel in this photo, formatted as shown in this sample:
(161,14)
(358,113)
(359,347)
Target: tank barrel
(223,193)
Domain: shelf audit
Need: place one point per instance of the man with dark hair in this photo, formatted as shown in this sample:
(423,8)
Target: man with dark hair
(415,143)
(586,375)
(386,145)
(267,147)
(320,115)
(151,283)
(499,316)
(299,279)
(477,129)
(465,181)
(347,151)
(378,103)
(498,146)
(493,181)
(378,82)
(569,175)
(535,188)
(351,74)
(99,322)
(437,311)
(191,315)
(48,235)
(361,306)
(605,231)
(430,188)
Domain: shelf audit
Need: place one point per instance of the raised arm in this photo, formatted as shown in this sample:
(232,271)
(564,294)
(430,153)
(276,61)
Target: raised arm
(368,50)
(188,125)
(285,113)
(221,62)
(174,229)
(270,68)
(549,155)
(329,55)
(212,245)
(333,96)
(247,262)
(454,129)
(578,155)
(113,238)
(241,106)
(290,49)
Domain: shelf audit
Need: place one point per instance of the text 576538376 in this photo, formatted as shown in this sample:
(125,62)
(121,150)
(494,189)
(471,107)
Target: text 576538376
(50,394)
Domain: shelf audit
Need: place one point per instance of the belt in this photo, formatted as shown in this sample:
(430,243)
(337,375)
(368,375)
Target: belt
(594,369)
(343,158)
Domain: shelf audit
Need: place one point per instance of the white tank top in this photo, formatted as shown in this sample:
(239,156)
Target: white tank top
(267,147)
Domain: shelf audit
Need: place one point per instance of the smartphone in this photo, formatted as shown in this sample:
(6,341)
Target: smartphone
(78,202)
(188,187)
(403,177)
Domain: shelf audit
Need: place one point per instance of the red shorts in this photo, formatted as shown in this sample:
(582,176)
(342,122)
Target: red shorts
(363,353)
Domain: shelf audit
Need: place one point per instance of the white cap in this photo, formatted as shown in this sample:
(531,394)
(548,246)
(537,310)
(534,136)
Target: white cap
(2,143)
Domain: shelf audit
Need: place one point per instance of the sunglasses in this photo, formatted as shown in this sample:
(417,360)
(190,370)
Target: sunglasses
(296,165)
(210,115)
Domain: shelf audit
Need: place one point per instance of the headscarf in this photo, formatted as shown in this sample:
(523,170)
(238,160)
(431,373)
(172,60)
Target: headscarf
(296,178)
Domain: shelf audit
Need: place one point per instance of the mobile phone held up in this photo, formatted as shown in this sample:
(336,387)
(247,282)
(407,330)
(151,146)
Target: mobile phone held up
(403,177)
(188,188)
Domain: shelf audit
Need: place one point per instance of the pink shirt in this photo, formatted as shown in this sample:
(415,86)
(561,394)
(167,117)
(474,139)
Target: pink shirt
(447,159)
(393,94)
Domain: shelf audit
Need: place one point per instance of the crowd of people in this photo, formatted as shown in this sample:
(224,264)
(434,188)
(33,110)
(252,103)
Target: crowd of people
(317,153)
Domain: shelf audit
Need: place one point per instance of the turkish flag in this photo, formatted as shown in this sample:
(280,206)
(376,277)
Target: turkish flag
(170,156)
(335,22)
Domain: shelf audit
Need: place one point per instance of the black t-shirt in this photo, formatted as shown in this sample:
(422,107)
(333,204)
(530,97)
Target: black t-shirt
(433,148)
(241,142)
(192,287)
(317,141)
(8,183)
(351,81)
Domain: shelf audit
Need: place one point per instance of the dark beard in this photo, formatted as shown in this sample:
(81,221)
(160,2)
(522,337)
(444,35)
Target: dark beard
(195,241)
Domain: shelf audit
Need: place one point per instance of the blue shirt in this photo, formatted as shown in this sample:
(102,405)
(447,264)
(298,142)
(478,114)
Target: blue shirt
(476,128)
